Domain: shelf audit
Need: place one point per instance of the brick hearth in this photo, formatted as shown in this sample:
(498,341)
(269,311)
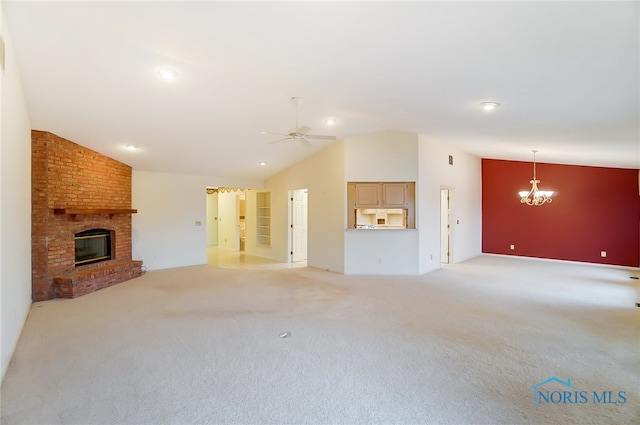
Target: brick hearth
(66,175)
(75,284)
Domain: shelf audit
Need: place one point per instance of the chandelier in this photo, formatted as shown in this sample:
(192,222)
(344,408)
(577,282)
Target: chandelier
(535,196)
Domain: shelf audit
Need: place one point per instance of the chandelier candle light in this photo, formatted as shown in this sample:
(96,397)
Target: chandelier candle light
(535,196)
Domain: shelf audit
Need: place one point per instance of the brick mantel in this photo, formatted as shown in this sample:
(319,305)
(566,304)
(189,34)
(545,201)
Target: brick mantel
(76,189)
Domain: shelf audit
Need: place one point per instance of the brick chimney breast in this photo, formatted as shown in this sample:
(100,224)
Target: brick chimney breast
(68,176)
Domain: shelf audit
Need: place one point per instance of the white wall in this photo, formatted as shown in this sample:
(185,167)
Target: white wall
(164,231)
(15,203)
(385,156)
(323,175)
(381,252)
(464,178)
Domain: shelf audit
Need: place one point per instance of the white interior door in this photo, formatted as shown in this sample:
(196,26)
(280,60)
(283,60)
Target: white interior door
(445,226)
(299,225)
(212,219)
(241,222)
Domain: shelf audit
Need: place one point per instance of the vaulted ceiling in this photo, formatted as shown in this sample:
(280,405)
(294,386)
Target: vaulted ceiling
(565,75)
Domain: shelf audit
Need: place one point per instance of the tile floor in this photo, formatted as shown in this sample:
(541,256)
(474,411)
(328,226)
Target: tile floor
(230,259)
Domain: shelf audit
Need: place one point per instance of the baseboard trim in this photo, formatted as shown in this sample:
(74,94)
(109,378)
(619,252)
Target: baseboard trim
(613,266)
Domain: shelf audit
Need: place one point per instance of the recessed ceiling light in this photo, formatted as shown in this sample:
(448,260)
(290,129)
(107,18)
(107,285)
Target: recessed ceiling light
(489,106)
(130,147)
(330,121)
(168,74)
(262,163)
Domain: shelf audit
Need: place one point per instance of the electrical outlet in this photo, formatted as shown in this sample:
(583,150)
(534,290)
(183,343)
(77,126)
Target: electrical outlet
(512,247)
(603,254)
(198,223)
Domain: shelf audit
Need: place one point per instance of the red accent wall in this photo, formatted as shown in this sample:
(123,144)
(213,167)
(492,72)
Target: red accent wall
(594,209)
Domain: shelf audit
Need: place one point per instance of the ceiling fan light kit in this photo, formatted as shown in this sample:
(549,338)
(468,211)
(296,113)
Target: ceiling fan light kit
(299,133)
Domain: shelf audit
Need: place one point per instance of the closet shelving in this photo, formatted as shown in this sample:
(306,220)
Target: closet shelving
(263,215)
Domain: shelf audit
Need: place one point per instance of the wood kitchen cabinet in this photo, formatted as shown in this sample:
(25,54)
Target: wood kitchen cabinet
(394,195)
(368,195)
(381,195)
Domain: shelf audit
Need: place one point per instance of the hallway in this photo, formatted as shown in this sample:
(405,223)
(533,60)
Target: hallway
(229,259)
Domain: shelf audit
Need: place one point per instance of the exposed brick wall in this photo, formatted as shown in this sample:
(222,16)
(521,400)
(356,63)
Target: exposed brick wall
(67,175)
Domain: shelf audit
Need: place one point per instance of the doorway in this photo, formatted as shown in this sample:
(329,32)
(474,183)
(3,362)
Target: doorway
(445,225)
(298,224)
(226,217)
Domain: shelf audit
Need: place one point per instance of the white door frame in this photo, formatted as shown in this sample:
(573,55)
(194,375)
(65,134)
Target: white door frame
(446,229)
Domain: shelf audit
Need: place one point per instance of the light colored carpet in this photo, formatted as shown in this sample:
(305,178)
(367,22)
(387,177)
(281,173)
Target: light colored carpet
(461,345)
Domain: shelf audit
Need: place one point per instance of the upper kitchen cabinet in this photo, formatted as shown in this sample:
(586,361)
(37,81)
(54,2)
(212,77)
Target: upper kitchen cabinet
(394,195)
(368,195)
(381,195)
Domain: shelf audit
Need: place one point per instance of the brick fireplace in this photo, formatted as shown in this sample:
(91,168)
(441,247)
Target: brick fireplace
(75,189)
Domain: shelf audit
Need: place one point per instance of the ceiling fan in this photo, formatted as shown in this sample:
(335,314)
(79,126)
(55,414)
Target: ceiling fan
(299,133)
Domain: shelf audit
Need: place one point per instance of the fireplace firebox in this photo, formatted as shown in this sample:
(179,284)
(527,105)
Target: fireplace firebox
(92,246)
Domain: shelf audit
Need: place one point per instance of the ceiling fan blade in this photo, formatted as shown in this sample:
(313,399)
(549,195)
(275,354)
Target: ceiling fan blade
(305,142)
(303,130)
(318,137)
(276,134)
(299,133)
(280,140)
